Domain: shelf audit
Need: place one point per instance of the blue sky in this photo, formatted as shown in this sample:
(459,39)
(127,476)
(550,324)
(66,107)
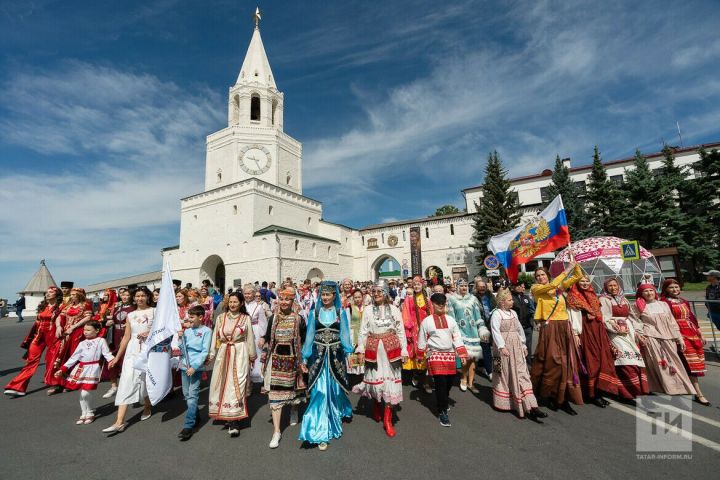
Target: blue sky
(105,107)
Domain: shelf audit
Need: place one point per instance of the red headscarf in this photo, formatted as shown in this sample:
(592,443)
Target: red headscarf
(640,302)
(107,306)
(579,299)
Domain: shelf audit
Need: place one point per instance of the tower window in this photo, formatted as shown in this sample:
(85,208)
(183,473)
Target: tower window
(309,221)
(382,237)
(270,210)
(255,108)
(288,178)
(427,232)
(219,176)
(234,209)
(297,246)
(403,235)
(452,229)
(329,252)
(274,108)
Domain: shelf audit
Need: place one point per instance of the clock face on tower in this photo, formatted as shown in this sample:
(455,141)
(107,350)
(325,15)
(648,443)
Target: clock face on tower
(255,159)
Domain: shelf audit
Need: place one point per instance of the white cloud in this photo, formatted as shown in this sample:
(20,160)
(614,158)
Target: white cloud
(135,145)
(551,92)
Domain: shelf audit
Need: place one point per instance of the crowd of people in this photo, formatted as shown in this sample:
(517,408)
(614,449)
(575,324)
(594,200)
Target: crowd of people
(313,344)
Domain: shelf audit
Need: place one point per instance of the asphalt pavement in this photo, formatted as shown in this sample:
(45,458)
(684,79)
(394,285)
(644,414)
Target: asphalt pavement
(39,440)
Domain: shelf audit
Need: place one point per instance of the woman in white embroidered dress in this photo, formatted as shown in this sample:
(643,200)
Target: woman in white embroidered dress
(382,346)
(232,351)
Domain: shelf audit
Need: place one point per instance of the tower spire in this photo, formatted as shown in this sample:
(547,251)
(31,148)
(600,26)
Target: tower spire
(256,67)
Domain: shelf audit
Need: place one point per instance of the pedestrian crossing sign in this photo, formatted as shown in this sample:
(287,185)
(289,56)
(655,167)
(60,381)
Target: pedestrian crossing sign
(630,250)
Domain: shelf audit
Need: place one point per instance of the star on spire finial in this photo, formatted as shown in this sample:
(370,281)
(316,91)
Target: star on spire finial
(257,17)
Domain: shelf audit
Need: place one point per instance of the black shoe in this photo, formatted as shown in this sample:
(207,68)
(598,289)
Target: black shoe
(600,402)
(444,419)
(552,405)
(186,434)
(565,407)
(537,413)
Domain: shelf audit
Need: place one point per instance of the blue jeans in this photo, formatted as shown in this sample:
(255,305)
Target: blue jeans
(191,392)
(487,356)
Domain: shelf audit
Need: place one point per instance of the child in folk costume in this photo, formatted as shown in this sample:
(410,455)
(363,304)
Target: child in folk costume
(233,351)
(512,388)
(440,341)
(282,370)
(466,310)
(86,368)
(382,347)
(194,346)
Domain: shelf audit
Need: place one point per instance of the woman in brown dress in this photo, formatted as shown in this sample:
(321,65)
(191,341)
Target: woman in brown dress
(554,371)
(598,374)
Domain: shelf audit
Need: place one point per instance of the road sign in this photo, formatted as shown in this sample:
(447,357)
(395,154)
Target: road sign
(491,262)
(630,250)
(492,273)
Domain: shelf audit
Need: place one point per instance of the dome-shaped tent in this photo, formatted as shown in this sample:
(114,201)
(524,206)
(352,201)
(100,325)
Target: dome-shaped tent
(600,258)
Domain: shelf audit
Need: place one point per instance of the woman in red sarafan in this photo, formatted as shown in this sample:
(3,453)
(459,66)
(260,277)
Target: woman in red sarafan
(595,351)
(693,357)
(44,337)
(69,332)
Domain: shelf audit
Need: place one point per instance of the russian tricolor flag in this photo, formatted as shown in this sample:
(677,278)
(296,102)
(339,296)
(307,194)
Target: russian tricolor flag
(545,233)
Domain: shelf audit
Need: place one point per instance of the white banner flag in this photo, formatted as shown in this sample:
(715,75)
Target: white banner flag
(156,350)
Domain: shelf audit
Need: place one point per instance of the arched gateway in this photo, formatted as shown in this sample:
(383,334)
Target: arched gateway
(213,269)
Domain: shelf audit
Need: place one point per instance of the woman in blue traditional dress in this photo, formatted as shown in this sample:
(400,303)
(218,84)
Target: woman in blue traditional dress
(327,343)
(466,310)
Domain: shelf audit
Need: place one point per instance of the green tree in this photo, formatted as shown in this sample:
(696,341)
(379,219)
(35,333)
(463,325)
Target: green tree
(671,190)
(499,210)
(446,210)
(601,200)
(646,214)
(699,199)
(562,184)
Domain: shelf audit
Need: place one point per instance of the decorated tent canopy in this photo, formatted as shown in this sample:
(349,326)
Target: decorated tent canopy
(600,258)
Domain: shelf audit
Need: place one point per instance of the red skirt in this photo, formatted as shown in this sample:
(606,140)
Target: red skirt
(633,381)
(442,363)
(694,355)
(598,360)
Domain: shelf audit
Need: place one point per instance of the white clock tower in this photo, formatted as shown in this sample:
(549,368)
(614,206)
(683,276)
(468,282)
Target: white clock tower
(254,144)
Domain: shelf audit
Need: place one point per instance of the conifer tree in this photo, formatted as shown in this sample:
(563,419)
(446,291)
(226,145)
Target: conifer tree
(601,200)
(499,209)
(699,199)
(671,182)
(646,213)
(563,185)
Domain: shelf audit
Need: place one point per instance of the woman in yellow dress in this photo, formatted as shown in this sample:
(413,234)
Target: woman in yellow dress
(555,365)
